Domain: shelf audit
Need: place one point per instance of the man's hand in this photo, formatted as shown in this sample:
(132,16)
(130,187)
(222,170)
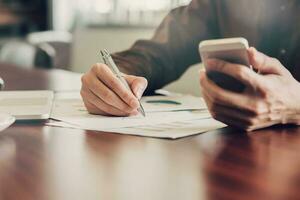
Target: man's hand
(272,96)
(104,94)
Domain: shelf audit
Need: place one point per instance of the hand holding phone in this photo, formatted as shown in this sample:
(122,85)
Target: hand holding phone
(232,50)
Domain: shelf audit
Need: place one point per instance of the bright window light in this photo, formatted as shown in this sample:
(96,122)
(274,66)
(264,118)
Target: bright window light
(68,13)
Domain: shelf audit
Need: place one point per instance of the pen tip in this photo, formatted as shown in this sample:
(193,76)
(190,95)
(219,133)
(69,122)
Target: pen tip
(143,112)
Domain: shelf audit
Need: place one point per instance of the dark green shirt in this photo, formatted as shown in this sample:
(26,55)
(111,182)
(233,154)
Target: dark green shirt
(272,26)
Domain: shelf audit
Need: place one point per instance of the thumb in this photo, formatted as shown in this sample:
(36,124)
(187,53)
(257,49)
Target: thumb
(137,84)
(264,64)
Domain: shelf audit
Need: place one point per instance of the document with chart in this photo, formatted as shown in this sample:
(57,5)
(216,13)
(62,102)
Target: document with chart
(166,117)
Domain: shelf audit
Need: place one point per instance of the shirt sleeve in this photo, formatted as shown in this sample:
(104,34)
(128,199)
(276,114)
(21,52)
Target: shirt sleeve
(174,46)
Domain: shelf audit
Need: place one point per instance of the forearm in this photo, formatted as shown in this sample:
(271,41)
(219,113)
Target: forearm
(173,48)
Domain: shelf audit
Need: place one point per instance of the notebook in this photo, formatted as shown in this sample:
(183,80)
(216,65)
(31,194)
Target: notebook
(27,105)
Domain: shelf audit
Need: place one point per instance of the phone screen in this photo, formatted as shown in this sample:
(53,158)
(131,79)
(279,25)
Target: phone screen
(236,56)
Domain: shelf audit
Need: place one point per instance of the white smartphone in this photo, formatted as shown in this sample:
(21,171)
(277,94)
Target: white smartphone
(232,50)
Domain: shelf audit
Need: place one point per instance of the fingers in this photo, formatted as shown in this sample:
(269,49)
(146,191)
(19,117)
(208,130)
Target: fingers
(97,106)
(137,84)
(228,116)
(265,64)
(104,93)
(242,111)
(227,98)
(239,72)
(240,119)
(103,73)
(92,109)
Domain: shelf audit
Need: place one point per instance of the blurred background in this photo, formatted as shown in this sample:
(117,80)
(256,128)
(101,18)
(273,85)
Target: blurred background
(68,34)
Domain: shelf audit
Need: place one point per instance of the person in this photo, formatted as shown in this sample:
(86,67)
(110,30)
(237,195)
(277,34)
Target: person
(271,97)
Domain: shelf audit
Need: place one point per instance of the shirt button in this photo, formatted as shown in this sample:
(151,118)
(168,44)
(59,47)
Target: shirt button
(282,8)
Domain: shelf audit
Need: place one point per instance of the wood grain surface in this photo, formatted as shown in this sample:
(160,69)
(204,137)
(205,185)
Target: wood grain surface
(38,162)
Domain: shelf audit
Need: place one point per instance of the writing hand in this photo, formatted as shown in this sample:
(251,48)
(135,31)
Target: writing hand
(103,93)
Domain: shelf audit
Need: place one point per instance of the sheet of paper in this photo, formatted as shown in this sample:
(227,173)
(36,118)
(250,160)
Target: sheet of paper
(95,122)
(61,124)
(68,107)
(172,117)
(150,104)
(174,130)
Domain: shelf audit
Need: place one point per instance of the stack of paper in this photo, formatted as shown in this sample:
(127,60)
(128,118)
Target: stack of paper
(166,117)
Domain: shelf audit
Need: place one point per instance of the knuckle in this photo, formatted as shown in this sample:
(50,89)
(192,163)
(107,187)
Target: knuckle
(254,110)
(265,94)
(106,95)
(125,96)
(257,108)
(241,72)
(98,68)
(114,83)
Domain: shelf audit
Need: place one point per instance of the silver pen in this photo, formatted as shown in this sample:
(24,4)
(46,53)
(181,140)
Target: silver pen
(111,64)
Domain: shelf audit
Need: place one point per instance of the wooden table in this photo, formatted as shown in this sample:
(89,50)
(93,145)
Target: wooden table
(40,162)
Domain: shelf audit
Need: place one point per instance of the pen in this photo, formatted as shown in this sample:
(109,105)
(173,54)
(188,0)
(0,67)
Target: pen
(111,64)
